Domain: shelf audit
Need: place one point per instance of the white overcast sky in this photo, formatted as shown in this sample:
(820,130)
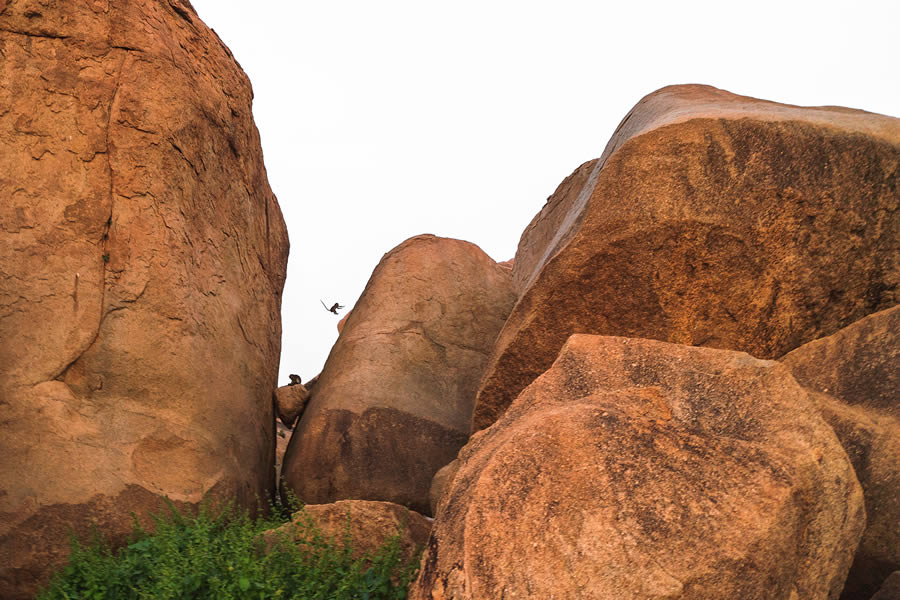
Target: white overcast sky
(385,119)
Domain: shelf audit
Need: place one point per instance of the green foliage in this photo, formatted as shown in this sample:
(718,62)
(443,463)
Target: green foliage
(221,556)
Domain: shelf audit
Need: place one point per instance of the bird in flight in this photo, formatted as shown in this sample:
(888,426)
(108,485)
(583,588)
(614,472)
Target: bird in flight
(334,307)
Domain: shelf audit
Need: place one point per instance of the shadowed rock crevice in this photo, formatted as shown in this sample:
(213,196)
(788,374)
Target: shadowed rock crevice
(854,378)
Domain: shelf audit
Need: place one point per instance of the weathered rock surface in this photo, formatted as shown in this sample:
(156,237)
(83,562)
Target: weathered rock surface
(394,400)
(311,384)
(890,589)
(282,438)
(859,365)
(342,322)
(371,525)
(142,256)
(534,249)
(640,469)
(713,220)
(290,401)
(856,373)
(439,484)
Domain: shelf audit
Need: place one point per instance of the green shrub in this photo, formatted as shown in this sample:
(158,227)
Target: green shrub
(220,556)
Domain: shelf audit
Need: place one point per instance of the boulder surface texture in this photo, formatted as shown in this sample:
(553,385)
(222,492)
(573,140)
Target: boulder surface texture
(439,484)
(394,401)
(712,220)
(142,257)
(370,524)
(290,400)
(636,469)
(855,377)
(890,589)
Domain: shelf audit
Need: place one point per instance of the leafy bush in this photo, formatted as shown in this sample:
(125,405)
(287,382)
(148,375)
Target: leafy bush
(221,556)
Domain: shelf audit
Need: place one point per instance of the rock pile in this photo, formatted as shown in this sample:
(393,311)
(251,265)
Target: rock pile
(713,220)
(631,435)
(642,469)
(601,417)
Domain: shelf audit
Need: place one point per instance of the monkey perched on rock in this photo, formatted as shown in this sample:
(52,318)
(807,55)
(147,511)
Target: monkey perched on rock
(295,379)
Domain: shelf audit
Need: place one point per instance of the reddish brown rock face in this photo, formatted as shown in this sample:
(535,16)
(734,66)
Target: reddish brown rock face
(282,437)
(290,400)
(439,483)
(713,220)
(394,400)
(342,322)
(142,256)
(890,590)
(855,374)
(535,248)
(640,469)
(370,525)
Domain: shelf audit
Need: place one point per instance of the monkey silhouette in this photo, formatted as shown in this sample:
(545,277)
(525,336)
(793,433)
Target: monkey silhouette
(334,307)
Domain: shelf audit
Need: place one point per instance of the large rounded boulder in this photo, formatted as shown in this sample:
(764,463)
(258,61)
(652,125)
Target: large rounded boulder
(854,377)
(394,401)
(640,469)
(713,220)
(143,257)
(368,525)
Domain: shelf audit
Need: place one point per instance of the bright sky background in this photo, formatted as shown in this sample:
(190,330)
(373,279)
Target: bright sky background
(381,120)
